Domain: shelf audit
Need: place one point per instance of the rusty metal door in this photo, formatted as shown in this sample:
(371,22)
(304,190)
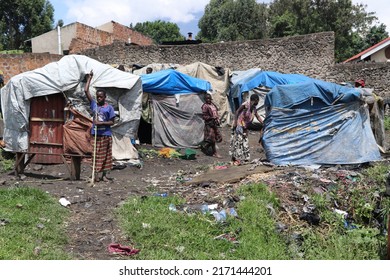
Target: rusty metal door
(46,132)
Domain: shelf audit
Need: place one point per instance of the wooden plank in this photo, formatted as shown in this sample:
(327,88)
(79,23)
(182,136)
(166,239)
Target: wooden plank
(75,168)
(36,119)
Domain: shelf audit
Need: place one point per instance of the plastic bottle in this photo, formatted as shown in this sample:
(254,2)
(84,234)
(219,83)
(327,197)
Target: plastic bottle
(172,207)
(204,208)
(232,212)
(222,214)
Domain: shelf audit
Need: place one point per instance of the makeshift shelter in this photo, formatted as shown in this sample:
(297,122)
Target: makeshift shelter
(219,79)
(175,113)
(33,105)
(256,81)
(316,123)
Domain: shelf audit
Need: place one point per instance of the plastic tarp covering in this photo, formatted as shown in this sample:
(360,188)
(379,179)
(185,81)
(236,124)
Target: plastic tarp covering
(220,83)
(124,92)
(302,126)
(288,96)
(243,81)
(177,125)
(171,82)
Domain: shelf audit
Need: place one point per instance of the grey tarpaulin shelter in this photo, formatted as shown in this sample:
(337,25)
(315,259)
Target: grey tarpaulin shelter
(176,101)
(124,92)
(219,79)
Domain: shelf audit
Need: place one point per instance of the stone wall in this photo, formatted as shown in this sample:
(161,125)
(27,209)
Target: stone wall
(375,75)
(14,64)
(311,55)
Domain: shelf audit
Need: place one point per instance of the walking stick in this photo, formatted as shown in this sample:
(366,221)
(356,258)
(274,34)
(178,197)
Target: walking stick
(94,157)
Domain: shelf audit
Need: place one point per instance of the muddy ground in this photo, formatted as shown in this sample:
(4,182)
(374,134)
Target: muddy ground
(92,225)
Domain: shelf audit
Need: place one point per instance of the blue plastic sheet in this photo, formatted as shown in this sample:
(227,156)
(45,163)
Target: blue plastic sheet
(171,82)
(318,123)
(243,81)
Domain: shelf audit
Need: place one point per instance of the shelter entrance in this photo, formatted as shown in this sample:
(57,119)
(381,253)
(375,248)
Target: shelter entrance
(46,137)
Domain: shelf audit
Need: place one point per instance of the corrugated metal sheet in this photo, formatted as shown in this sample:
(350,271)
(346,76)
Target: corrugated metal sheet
(46,131)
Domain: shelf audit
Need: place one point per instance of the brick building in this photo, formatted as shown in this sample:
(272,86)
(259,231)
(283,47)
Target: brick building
(76,37)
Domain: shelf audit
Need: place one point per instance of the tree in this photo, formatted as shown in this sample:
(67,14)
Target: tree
(231,20)
(21,20)
(376,34)
(349,22)
(160,31)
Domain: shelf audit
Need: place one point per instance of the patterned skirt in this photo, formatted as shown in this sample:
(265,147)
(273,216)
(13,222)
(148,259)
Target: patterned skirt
(239,147)
(103,161)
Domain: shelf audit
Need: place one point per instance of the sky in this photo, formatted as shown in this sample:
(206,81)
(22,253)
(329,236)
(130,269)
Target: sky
(185,13)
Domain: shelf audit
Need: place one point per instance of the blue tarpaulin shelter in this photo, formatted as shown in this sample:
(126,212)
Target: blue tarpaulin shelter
(317,122)
(176,101)
(244,81)
(171,82)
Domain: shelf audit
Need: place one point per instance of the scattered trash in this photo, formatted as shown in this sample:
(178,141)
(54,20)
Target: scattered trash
(172,207)
(37,251)
(180,249)
(311,218)
(219,216)
(145,225)
(161,194)
(280,227)
(20,206)
(349,225)
(3,222)
(227,237)
(342,213)
(40,226)
(204,208)
(189,154)
(64,202)
(232,212)
(123,250)
(169,153)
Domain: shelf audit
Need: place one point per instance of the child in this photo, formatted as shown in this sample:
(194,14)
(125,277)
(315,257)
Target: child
(102,120)
(212,135)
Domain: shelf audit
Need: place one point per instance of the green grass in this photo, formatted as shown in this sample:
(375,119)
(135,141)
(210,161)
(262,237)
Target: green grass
(387,123)
(163,234)
(31,225)
(7,161)
(167,235)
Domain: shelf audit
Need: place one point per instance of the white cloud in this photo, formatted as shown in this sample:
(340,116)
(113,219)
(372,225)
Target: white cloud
(97,12)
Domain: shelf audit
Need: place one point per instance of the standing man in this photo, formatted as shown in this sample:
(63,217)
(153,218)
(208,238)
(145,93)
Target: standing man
(103,119)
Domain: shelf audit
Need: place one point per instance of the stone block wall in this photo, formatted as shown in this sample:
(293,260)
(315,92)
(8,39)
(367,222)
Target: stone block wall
(311,55)
(376,75)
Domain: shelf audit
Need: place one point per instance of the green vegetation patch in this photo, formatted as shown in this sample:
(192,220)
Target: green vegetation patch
(31,225)
(189,234)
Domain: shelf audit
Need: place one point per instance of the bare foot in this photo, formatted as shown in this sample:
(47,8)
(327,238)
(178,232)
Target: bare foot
(105,179)
(217,156)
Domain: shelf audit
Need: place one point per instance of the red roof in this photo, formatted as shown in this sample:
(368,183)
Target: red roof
(367,50)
